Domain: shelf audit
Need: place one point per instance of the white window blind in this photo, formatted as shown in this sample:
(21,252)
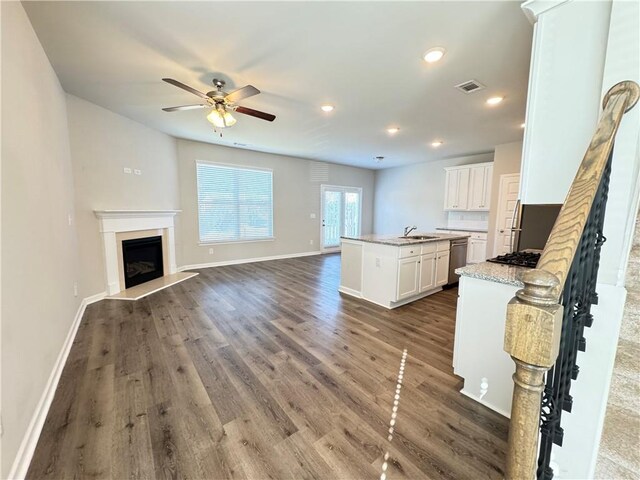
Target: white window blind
(234,203)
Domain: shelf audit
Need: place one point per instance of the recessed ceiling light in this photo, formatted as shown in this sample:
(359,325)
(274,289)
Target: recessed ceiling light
(327,108)
(393,130)
(522,125)
(436,143)
(433,54)
(494,100)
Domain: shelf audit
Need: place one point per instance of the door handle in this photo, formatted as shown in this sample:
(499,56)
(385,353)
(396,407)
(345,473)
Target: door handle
(501,231)
(323,223)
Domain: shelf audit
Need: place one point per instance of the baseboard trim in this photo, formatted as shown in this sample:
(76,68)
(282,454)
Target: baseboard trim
(485,403)
(30,440)
(246,260)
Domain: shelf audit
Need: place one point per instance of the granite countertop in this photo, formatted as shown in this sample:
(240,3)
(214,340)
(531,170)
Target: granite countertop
(478,230)
(399,241)
(494,272)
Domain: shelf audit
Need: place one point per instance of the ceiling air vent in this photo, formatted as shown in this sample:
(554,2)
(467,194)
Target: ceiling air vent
(470,86)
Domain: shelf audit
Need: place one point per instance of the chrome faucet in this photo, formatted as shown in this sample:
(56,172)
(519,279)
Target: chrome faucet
(409,229)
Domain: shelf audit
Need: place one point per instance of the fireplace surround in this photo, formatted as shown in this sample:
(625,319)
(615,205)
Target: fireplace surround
(118,226)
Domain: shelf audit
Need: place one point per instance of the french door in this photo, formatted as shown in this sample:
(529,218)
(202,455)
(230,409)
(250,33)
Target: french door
(341,214)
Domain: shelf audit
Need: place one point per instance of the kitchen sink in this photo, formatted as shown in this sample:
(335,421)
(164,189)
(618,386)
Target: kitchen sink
(419,237)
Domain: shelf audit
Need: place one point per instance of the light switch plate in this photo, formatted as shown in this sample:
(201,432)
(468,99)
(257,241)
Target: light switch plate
(313,215)
(126,170)
(137,172)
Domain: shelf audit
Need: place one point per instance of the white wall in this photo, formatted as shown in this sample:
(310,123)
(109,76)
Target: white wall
(567,61)
(414,195)
(296,191)
(102,144)
(506,159)
(39,263)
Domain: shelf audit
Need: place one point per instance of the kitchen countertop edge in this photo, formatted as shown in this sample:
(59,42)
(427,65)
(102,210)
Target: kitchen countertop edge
(474,230)
(399,242)
(494,272)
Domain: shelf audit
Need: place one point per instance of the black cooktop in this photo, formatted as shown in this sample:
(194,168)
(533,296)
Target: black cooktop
(520,259)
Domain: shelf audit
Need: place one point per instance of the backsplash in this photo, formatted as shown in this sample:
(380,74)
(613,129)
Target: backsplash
(474,220)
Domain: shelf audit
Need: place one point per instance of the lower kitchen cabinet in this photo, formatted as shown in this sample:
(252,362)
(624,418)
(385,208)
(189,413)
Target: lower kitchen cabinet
(408,277)
(477,250)
(442,268)
(427,272)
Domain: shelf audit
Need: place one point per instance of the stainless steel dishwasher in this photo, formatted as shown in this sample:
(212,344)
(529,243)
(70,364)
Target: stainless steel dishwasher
(457,258)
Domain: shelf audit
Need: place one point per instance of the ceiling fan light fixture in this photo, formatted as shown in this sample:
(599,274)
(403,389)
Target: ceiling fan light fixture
(221,118)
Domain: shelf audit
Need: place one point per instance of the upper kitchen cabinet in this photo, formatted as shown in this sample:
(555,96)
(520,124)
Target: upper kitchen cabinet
(480,187)
(468,187)
(456,191)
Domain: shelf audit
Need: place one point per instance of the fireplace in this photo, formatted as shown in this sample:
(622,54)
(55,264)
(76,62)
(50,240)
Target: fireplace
(143,260)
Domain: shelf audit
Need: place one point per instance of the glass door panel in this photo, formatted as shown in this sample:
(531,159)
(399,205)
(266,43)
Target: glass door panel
(351,213)
(331,220)
(341,215)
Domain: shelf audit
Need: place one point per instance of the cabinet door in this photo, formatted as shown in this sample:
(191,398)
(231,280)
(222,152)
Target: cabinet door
(451,189)
(488,179)
(408,277)
(476,187)
(442,269)
(427,272)
(463,189)
(477,251)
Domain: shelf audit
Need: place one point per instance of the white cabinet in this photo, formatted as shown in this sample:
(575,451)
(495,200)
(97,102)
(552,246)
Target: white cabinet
(456,189)
(477,248)
(442,268)
(408,277)
(427,272)
(480,187)
(468,187)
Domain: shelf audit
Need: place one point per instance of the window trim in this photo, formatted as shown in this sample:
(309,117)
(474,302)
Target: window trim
(241,240)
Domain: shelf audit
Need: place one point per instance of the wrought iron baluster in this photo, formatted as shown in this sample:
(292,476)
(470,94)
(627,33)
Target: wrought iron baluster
(577,298)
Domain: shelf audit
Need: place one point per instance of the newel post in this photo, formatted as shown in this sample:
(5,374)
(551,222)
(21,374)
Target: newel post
(532,338)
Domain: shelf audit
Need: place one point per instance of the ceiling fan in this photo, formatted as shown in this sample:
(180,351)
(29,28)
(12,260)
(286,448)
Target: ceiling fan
(221,103)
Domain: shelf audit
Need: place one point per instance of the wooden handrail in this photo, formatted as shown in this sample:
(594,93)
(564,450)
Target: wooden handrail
(534,316)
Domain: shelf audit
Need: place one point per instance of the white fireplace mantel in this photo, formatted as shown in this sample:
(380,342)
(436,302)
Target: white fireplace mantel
(113,222)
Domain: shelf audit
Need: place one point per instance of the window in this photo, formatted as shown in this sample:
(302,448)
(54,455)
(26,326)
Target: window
(234,203)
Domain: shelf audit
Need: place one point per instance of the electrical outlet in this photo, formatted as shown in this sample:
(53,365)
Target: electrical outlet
(310,242)
(75,289)
(70,219)
(377,261)
(211,251)
(126,170)
(137,172)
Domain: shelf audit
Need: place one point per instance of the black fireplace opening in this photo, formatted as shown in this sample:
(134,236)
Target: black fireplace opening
(142,260)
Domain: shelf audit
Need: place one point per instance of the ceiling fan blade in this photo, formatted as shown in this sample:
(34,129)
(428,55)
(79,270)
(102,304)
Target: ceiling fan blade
(185,107)
(256,113)
(239,94)
(185,87)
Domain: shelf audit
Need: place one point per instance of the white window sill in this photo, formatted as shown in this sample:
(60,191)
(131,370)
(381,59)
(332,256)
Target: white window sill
(226,242)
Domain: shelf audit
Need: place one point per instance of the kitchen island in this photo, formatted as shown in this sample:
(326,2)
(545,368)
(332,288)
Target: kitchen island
(393,270)
(478,350)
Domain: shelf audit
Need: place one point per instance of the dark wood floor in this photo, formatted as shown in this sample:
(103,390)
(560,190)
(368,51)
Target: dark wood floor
(265,371)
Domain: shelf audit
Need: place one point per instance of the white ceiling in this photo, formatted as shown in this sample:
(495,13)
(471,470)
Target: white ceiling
(363,57)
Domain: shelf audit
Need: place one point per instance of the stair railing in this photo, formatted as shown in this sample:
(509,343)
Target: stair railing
(541,335)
